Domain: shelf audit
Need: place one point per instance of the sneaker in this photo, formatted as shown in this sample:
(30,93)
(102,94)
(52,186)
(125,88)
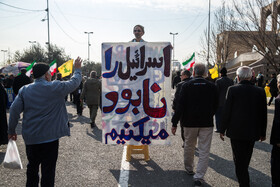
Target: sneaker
(197,183)
(190,172)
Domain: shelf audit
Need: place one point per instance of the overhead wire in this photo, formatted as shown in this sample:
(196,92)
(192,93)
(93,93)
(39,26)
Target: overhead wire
(64,31)
(20,23)
(14,11)
(66,18)
(21,8)
(189,36)
(125,20)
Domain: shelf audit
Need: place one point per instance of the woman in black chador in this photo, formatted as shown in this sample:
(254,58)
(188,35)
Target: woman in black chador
(3,116)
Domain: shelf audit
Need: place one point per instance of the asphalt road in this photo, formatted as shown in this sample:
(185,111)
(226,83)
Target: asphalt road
(85,161)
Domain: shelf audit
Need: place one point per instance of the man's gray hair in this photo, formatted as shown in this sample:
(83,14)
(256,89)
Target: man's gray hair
(278,78)
(244,73)
(93,74)
(200,69)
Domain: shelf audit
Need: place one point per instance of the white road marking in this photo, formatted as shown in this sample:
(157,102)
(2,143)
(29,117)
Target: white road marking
(124,175)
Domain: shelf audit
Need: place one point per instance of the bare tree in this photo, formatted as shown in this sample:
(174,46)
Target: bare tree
(223,21)
(252,27)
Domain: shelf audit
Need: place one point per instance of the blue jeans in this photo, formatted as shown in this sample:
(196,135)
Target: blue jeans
(44,154)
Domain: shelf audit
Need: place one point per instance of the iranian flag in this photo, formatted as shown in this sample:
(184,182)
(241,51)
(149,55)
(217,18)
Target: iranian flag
(53,68)
(29,69)
(190,62)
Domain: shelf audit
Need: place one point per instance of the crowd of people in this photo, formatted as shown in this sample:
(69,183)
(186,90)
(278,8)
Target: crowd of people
(240,112)
(45,118)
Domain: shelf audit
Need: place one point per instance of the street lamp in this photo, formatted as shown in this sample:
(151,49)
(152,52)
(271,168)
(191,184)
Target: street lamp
(88,33)
(173,43)
(48,19)
(4,51)
(32,42)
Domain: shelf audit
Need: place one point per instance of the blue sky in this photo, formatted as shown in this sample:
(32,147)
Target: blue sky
(110,20)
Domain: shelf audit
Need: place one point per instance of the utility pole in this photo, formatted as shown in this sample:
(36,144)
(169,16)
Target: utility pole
(4,51)
(173,44)
(48,19)
(208,34)
(88,33)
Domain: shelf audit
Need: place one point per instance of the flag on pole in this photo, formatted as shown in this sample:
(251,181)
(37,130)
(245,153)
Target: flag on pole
(53,67)
(66,68)
(214,72)
(29,69)
(190,62)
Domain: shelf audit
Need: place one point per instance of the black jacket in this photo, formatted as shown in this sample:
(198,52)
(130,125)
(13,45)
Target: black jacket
(222,85)
(3,116)
(176,80)
(245,112)
(197,104)
(275,131)
(19,82)
(273,87)
(177,93)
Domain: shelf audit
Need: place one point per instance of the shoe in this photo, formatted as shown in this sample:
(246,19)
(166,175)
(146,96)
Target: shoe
(197,183)
(190,172)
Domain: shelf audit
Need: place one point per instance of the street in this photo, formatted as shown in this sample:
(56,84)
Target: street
(85,161)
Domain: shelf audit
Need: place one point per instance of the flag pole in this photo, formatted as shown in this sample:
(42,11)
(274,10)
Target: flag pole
(208,34)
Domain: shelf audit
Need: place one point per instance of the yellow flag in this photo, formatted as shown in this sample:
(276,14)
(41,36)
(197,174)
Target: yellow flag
(66,68)
(214,72)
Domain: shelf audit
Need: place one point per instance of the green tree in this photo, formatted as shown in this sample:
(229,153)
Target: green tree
(41,54)
(35,52)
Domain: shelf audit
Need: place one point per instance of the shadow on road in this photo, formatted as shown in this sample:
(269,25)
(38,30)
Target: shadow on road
(270,111)
(263,146)
(227,169)
(2,155)
(80,119)
(95,133)
(154,175)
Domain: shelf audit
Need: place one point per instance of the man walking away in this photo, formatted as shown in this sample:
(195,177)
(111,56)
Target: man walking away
(273,88)
(244,121)
(260,80)
(91,92)
(222,85)
(197,105)
(20,81)
(176,80)
(185,76)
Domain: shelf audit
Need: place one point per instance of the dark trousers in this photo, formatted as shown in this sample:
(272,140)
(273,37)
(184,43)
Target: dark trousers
(78,103)
(242,152)
(45,155)
(218,116)
(275,166)
(270,100)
